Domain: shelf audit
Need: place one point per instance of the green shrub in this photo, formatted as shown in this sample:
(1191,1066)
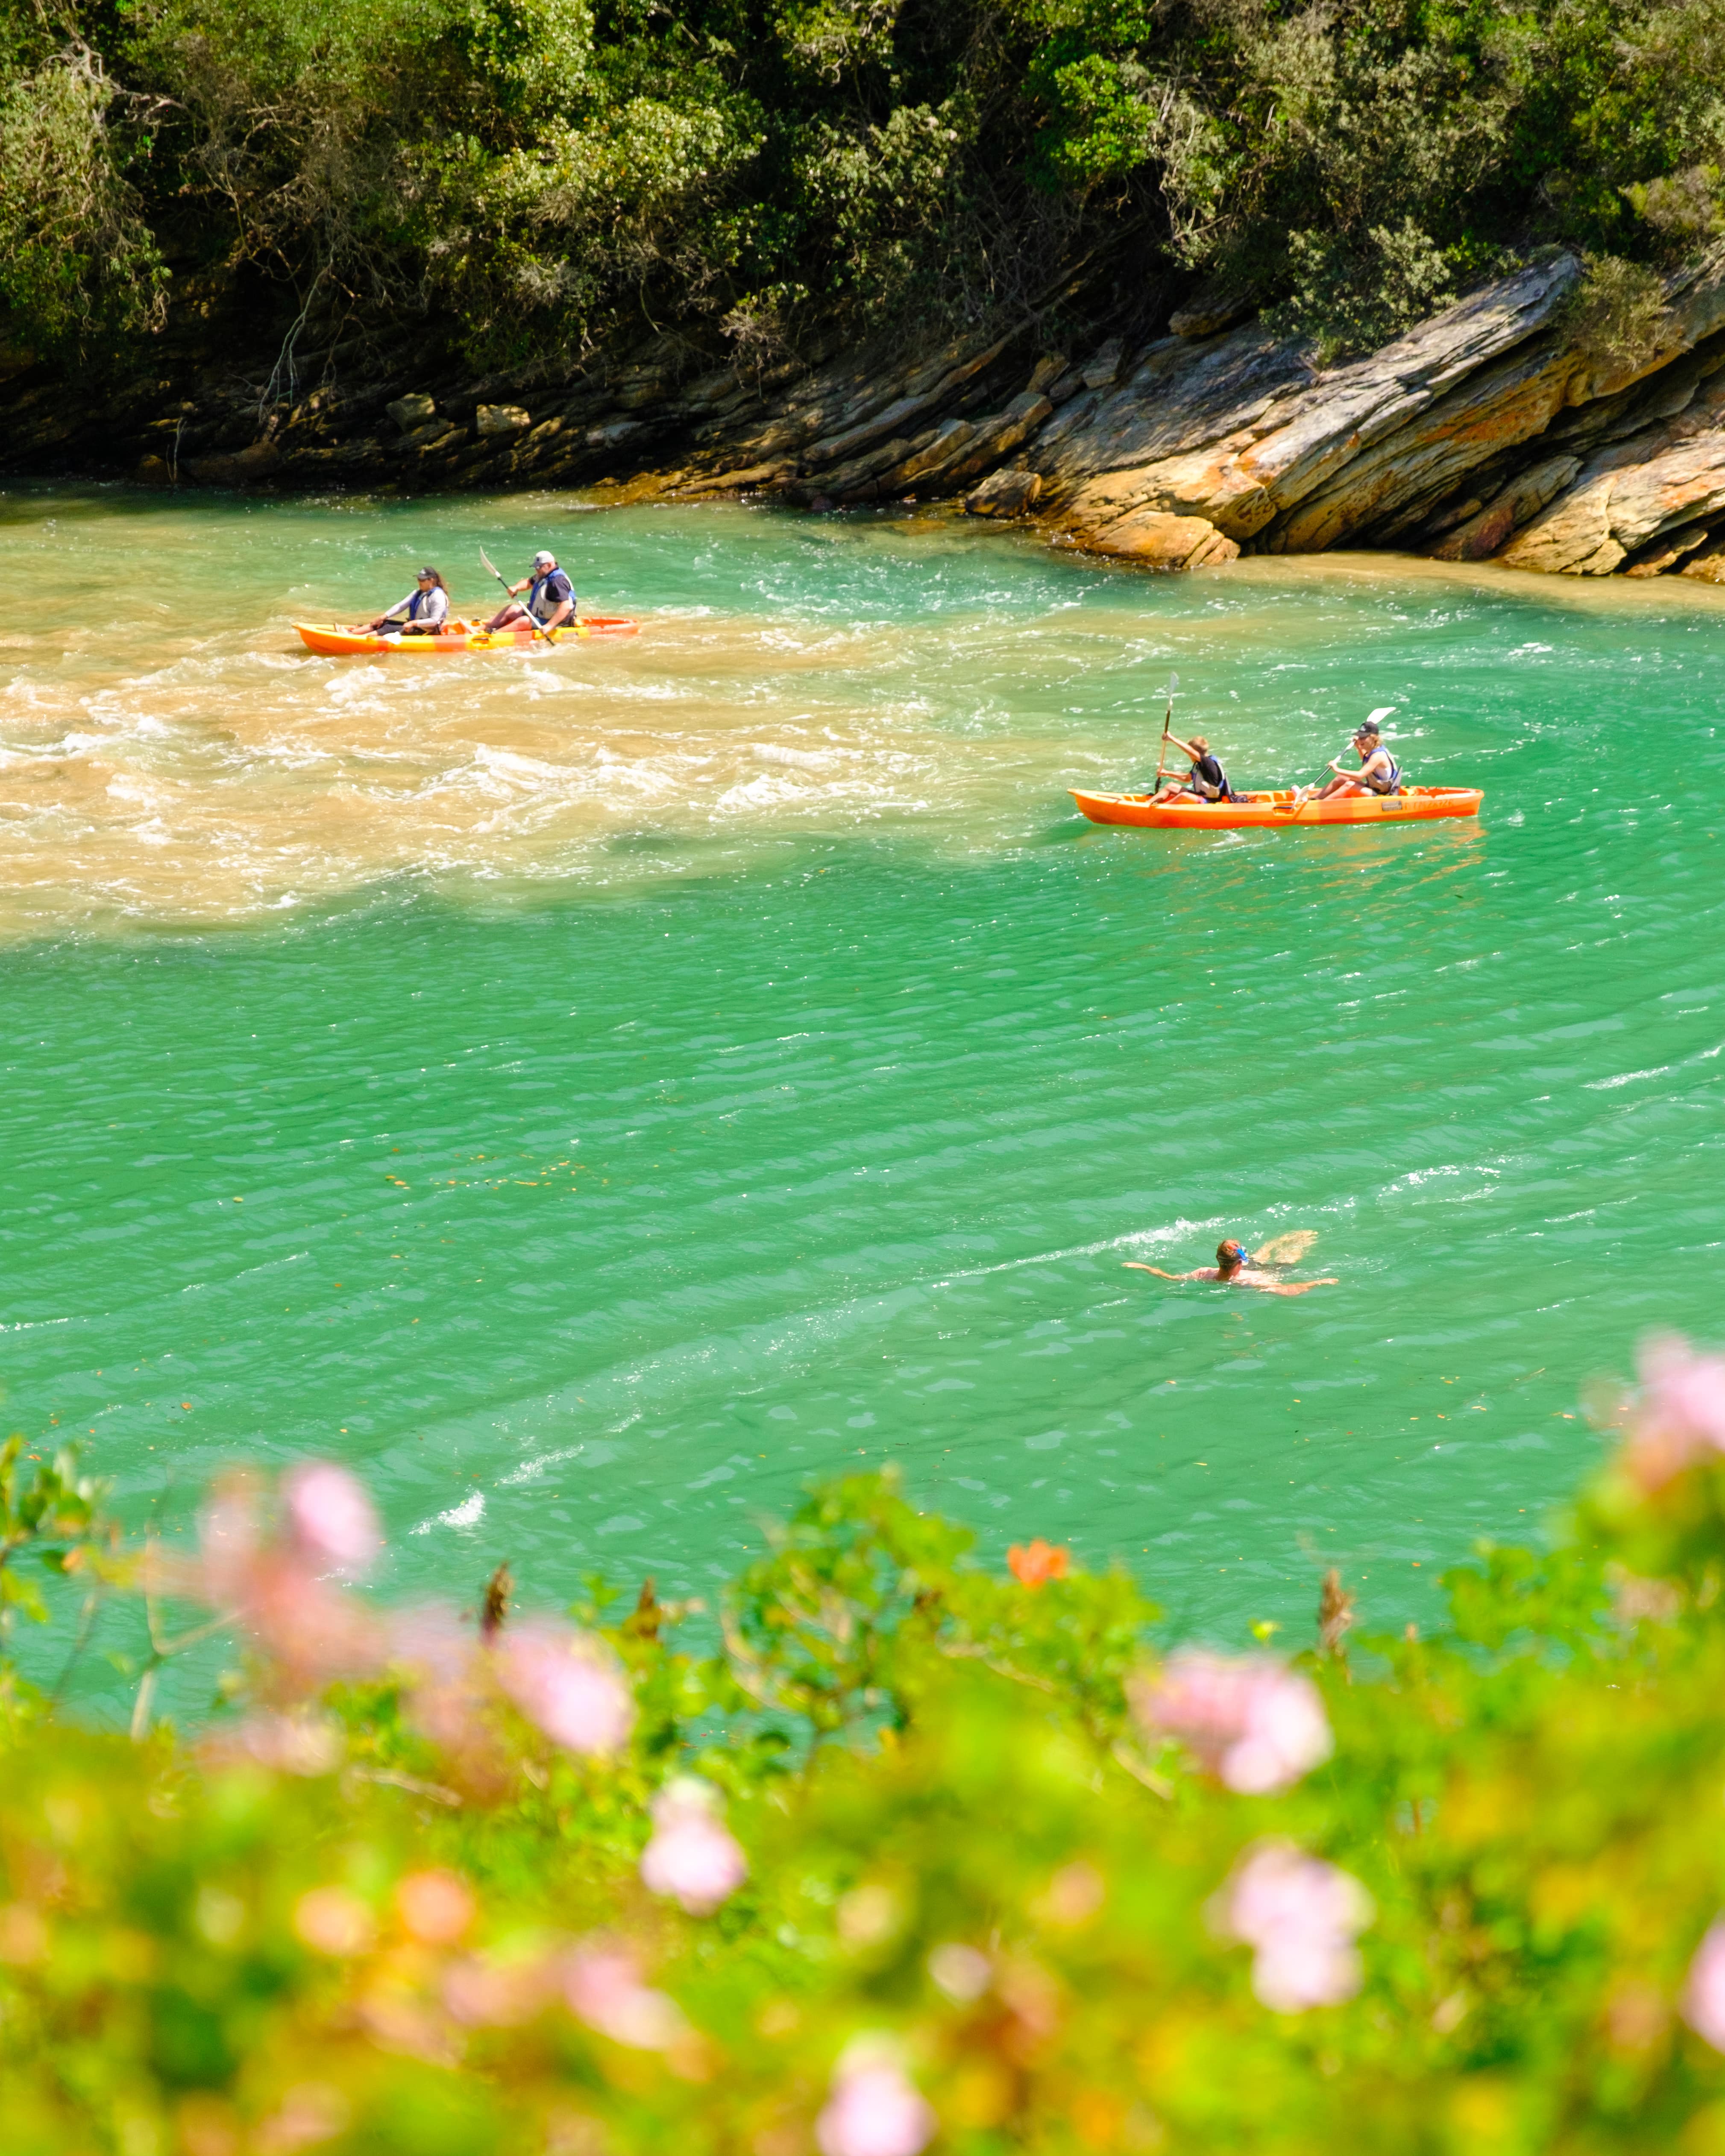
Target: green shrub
(1614,314)
(541,178)
(885,1852)
(78,263)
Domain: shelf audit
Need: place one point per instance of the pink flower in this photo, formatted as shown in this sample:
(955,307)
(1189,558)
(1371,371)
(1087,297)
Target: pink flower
(873,2110)
(436,1906)
(309,1629)
(691,1857)
(334,1921)
(1679,1417)
(330,1517)
(302,1743)
(1301,1915)
(1258,1726)
(488,1991)
(1704,1994)
(312,1631)
(452,1694)
(566,1684)
(229,1537)
(603,1987)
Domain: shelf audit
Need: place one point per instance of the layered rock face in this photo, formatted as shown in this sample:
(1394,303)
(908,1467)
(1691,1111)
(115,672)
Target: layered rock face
(1485,434)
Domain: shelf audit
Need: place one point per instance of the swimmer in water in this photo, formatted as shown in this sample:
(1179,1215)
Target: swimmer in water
(1234,1268)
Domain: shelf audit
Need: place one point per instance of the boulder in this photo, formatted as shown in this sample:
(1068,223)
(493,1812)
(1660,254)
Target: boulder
(951,440)
(1104,364)
(411,413)
(1708,563)
(1573,538)
(1213,307)
(502,419)
(1000,436)
(737,482)
(1157,541)
(1665,553)
(1484,533)
(1622,501)
(1004,494)
(255,463)
(848,480)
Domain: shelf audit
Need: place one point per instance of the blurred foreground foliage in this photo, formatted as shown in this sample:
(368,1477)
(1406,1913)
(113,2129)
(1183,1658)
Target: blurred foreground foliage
(909,1856)
(530,179)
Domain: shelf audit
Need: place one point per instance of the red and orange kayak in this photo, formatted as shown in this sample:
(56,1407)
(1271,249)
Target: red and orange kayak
(333,643)
(1413,804)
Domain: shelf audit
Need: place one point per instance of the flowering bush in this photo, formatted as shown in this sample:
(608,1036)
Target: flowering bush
(905,1857)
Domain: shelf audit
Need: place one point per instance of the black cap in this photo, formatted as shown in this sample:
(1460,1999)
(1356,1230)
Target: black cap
(425,573)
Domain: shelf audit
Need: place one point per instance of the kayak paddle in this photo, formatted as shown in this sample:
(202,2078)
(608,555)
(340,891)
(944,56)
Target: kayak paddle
(509,594)
(1168,720)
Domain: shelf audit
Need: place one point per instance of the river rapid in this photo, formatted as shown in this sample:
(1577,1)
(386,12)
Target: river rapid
(593,1094)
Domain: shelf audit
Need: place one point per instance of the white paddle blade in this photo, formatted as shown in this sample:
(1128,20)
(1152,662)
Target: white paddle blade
(1382,712)
(1286,1249)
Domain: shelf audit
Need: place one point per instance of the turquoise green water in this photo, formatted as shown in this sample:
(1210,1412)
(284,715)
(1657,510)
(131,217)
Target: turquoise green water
(593,1094)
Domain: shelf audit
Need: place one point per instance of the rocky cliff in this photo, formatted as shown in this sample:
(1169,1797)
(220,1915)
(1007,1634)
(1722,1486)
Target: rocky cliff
(1488,433)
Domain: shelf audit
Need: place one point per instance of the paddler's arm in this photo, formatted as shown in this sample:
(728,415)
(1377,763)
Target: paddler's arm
(558,615)
(1184,748)
(389,613)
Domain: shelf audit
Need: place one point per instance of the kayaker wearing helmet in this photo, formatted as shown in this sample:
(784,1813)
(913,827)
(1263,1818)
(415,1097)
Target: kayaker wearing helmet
(422,612)
(550,597)
(1378,771)
(1206,781)
(1234,1268)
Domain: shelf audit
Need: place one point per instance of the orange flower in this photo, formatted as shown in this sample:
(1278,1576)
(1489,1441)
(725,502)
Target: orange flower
(1039,1561)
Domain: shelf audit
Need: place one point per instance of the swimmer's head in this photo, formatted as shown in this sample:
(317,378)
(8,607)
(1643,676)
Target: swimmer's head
(1230,1254)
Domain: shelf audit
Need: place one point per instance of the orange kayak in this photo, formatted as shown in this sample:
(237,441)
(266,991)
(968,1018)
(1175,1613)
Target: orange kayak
(1413,804)
(333,643)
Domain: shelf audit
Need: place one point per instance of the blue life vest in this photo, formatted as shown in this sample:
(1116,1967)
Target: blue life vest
(548,594)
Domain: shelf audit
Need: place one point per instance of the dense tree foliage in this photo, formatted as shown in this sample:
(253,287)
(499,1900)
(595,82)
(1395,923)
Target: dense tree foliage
(534,173)
(882,1853)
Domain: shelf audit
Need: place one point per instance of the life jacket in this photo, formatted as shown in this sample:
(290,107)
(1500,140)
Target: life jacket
(1391,781)
(542,605)
(1207,789)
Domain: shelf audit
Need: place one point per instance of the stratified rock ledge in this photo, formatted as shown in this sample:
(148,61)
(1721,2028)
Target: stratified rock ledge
(1485,434)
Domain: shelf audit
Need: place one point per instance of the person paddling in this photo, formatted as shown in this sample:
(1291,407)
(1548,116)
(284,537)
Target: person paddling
(1234,1268)
(422,612)
(1206,781)
(551,598)
(1378,771)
